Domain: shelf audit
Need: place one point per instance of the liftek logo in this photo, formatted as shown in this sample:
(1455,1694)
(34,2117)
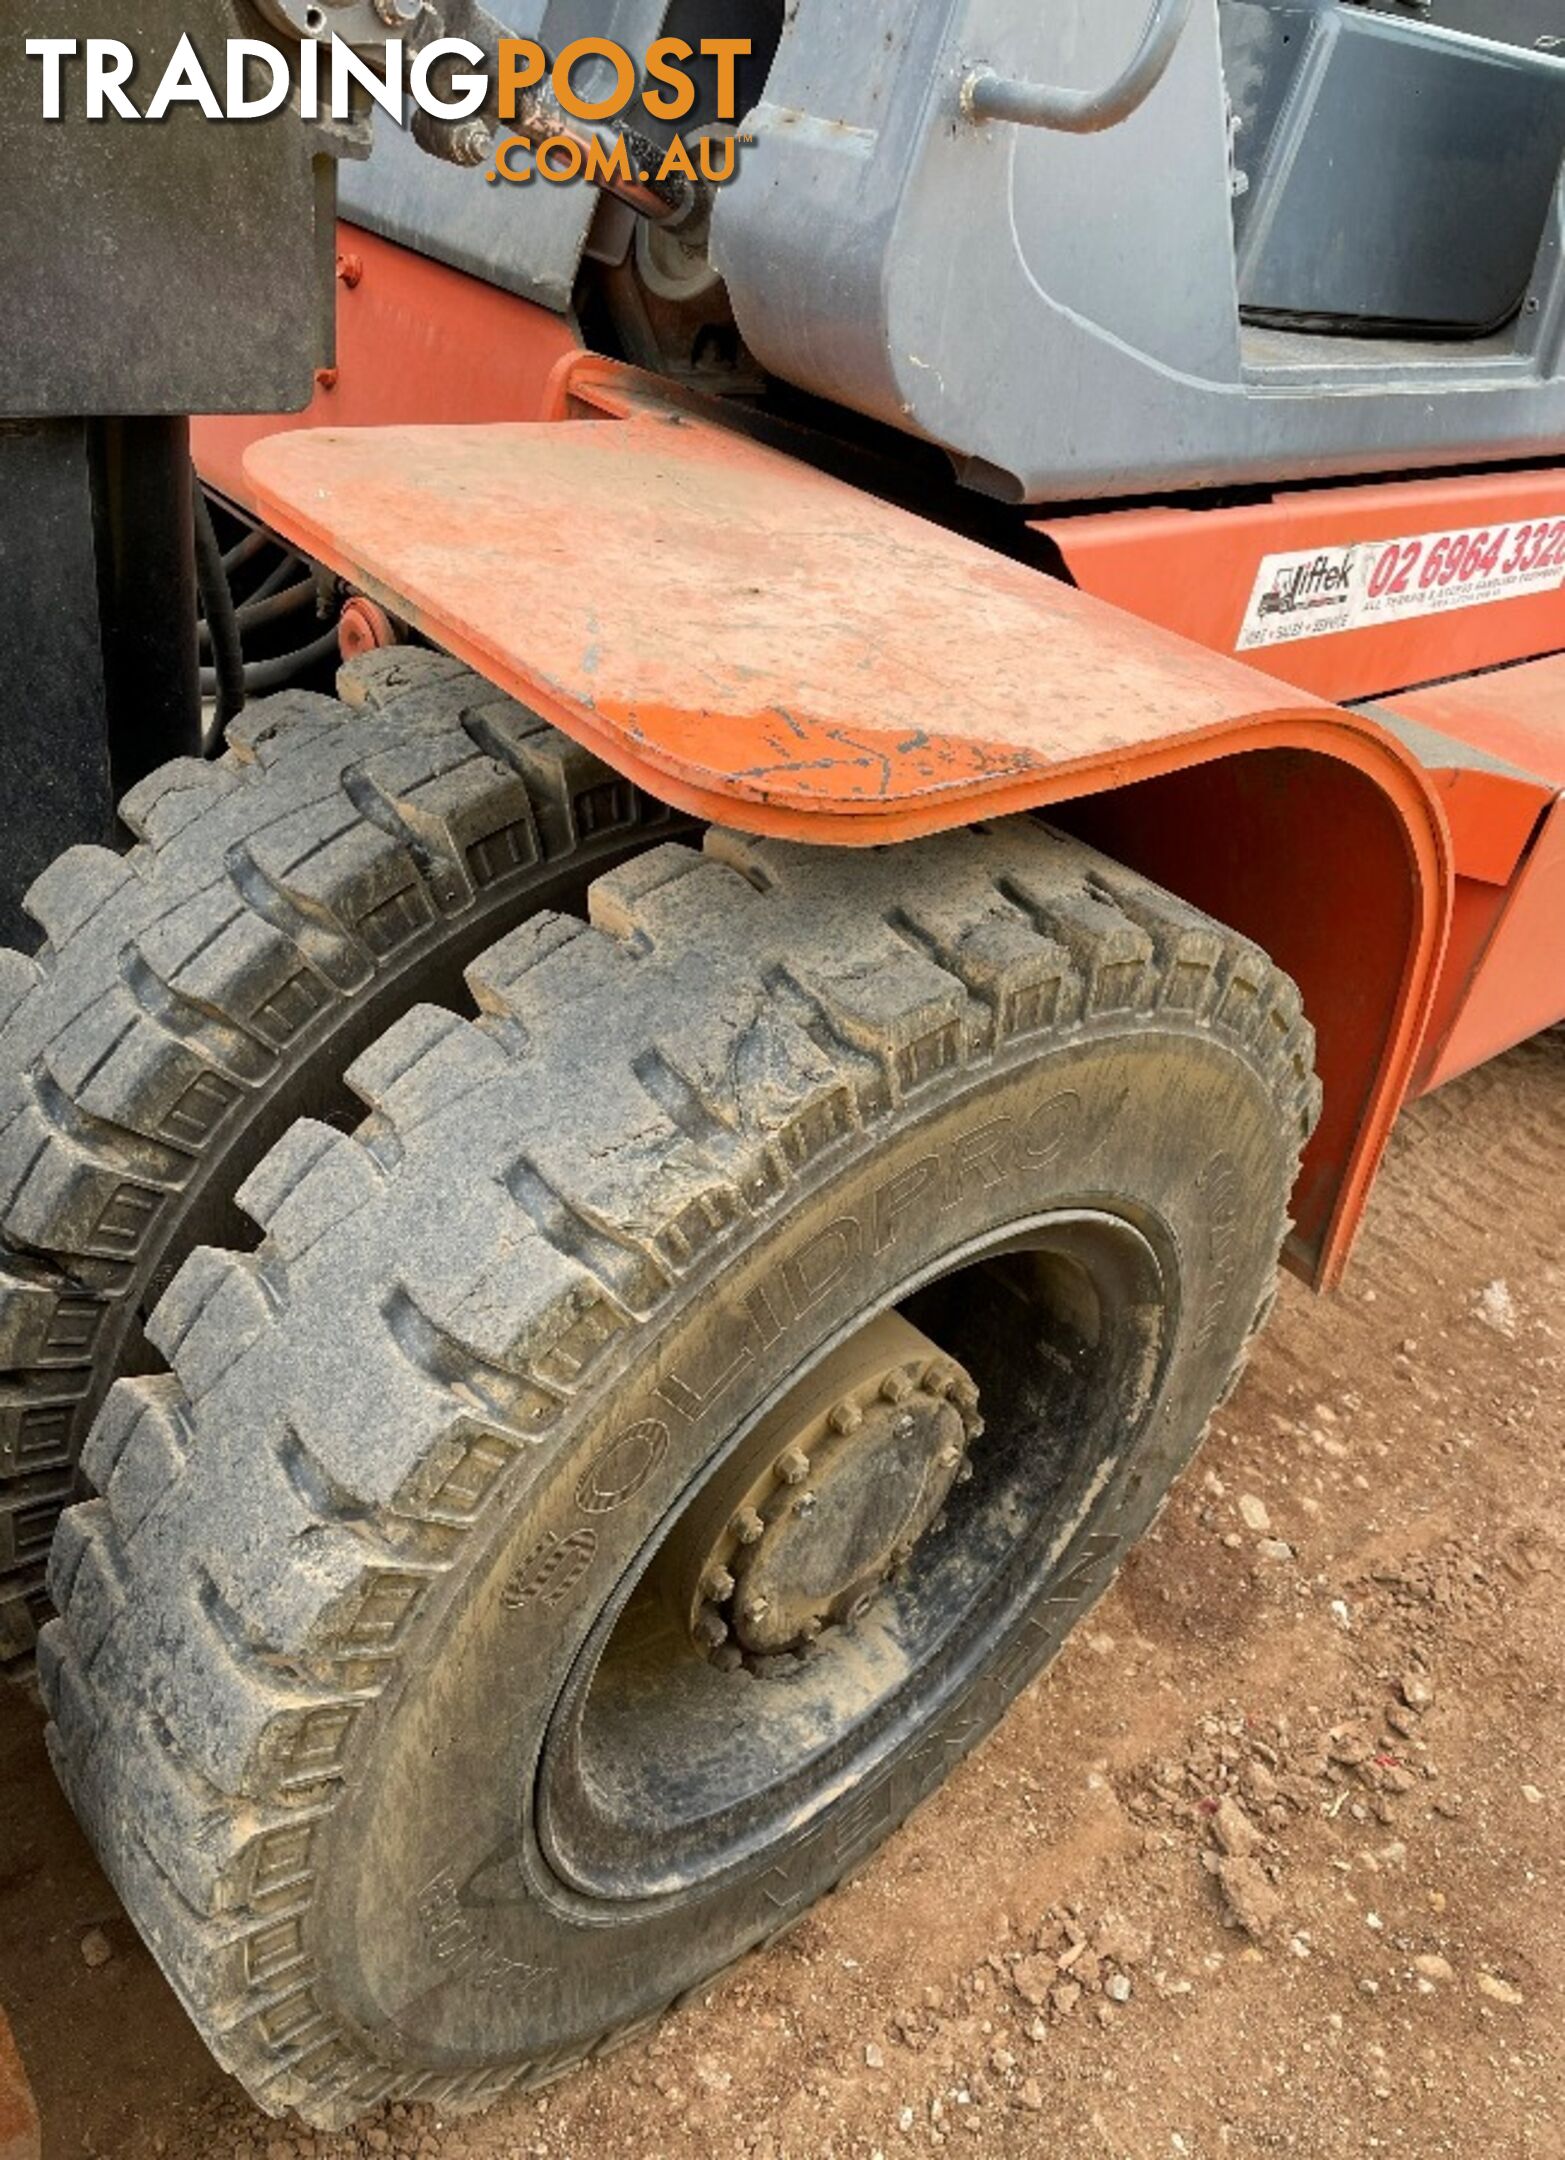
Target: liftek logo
(1321,582)
(569,111)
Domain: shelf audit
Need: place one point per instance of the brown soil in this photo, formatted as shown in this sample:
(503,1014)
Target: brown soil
(1325,1696)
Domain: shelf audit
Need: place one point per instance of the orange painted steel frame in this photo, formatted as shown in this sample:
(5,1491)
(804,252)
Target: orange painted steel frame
(1193,569)
(677,649)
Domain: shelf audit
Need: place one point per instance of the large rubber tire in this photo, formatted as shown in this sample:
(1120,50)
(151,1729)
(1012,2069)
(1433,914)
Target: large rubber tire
(196,994)
(412,1450)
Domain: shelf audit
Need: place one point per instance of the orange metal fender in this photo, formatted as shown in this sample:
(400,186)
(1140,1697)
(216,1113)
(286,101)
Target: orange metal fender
(759,643)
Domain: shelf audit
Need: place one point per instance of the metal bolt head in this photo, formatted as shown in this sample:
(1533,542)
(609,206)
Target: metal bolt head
(896,1387)
(711,1631)
(397,14)
(471,143)
(717,1584)
(964,1394)
(728,1657)
(748,1527)
(810,1631)
(793,1466)
(950,1455)
(846,1417)
(756,1609)
(964,1475)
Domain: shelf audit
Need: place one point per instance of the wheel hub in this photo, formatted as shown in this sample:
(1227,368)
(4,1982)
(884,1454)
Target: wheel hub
(827,1500)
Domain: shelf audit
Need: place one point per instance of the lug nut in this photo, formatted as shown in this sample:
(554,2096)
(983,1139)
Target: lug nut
(748,1527)
(950,1455)
(964,1394)
(846,1417)
(964,1475)
(896,1387)
(810,1631)
(939,1378)
(728,1658)
(711,1631)
(793,1466)
(718,1585)
(756,1609)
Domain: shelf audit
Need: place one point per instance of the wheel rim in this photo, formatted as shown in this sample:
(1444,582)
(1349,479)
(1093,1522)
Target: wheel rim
(677,1754)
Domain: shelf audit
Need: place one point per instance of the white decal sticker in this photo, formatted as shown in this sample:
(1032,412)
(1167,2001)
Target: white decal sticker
(1328,589)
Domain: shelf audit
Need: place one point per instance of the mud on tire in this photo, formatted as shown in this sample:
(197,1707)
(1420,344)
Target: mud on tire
(196,994)
(328,1683)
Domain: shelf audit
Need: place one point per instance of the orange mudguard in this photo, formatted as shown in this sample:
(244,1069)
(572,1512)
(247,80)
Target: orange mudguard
(762,644)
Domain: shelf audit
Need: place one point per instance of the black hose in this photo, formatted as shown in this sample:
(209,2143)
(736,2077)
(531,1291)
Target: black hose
(228,683)
(276,674)
(275,579)
(255,613)
(246,549)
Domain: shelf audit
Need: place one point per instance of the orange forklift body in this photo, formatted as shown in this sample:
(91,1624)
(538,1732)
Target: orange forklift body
(762,644)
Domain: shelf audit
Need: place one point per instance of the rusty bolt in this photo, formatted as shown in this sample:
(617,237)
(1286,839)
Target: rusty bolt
(811,1629)
(728,1657)
(748,1527)
(717,1584)
(793,1466)
(350,269)
(325,378)
(964,1475)
(397,14)
(756,1609)
(896,1387)
(964,1394)
(846,1417)
(949,1456)
(939,1377)
(711,1630)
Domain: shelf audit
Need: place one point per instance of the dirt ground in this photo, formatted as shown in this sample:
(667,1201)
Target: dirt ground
(1324,1698)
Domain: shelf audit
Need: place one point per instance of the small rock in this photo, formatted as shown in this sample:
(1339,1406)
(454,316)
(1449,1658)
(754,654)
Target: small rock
(1252,1902)
(1253,1514)
(1065,1996)
(1497,1308)
(874,2058)
(1121,1942)
(1274,1548)
(1236,1833)
(1032,1978)
(1500,1991)
(1117,1988)
(1416,1691)
(96,1948)
(1030,2095)
(1431,1967)
(1532,1796)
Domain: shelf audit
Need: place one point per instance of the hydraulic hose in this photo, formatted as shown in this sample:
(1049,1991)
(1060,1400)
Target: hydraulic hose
(217,603)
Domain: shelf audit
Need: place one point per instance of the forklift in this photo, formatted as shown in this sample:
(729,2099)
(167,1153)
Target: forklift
(699,890)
